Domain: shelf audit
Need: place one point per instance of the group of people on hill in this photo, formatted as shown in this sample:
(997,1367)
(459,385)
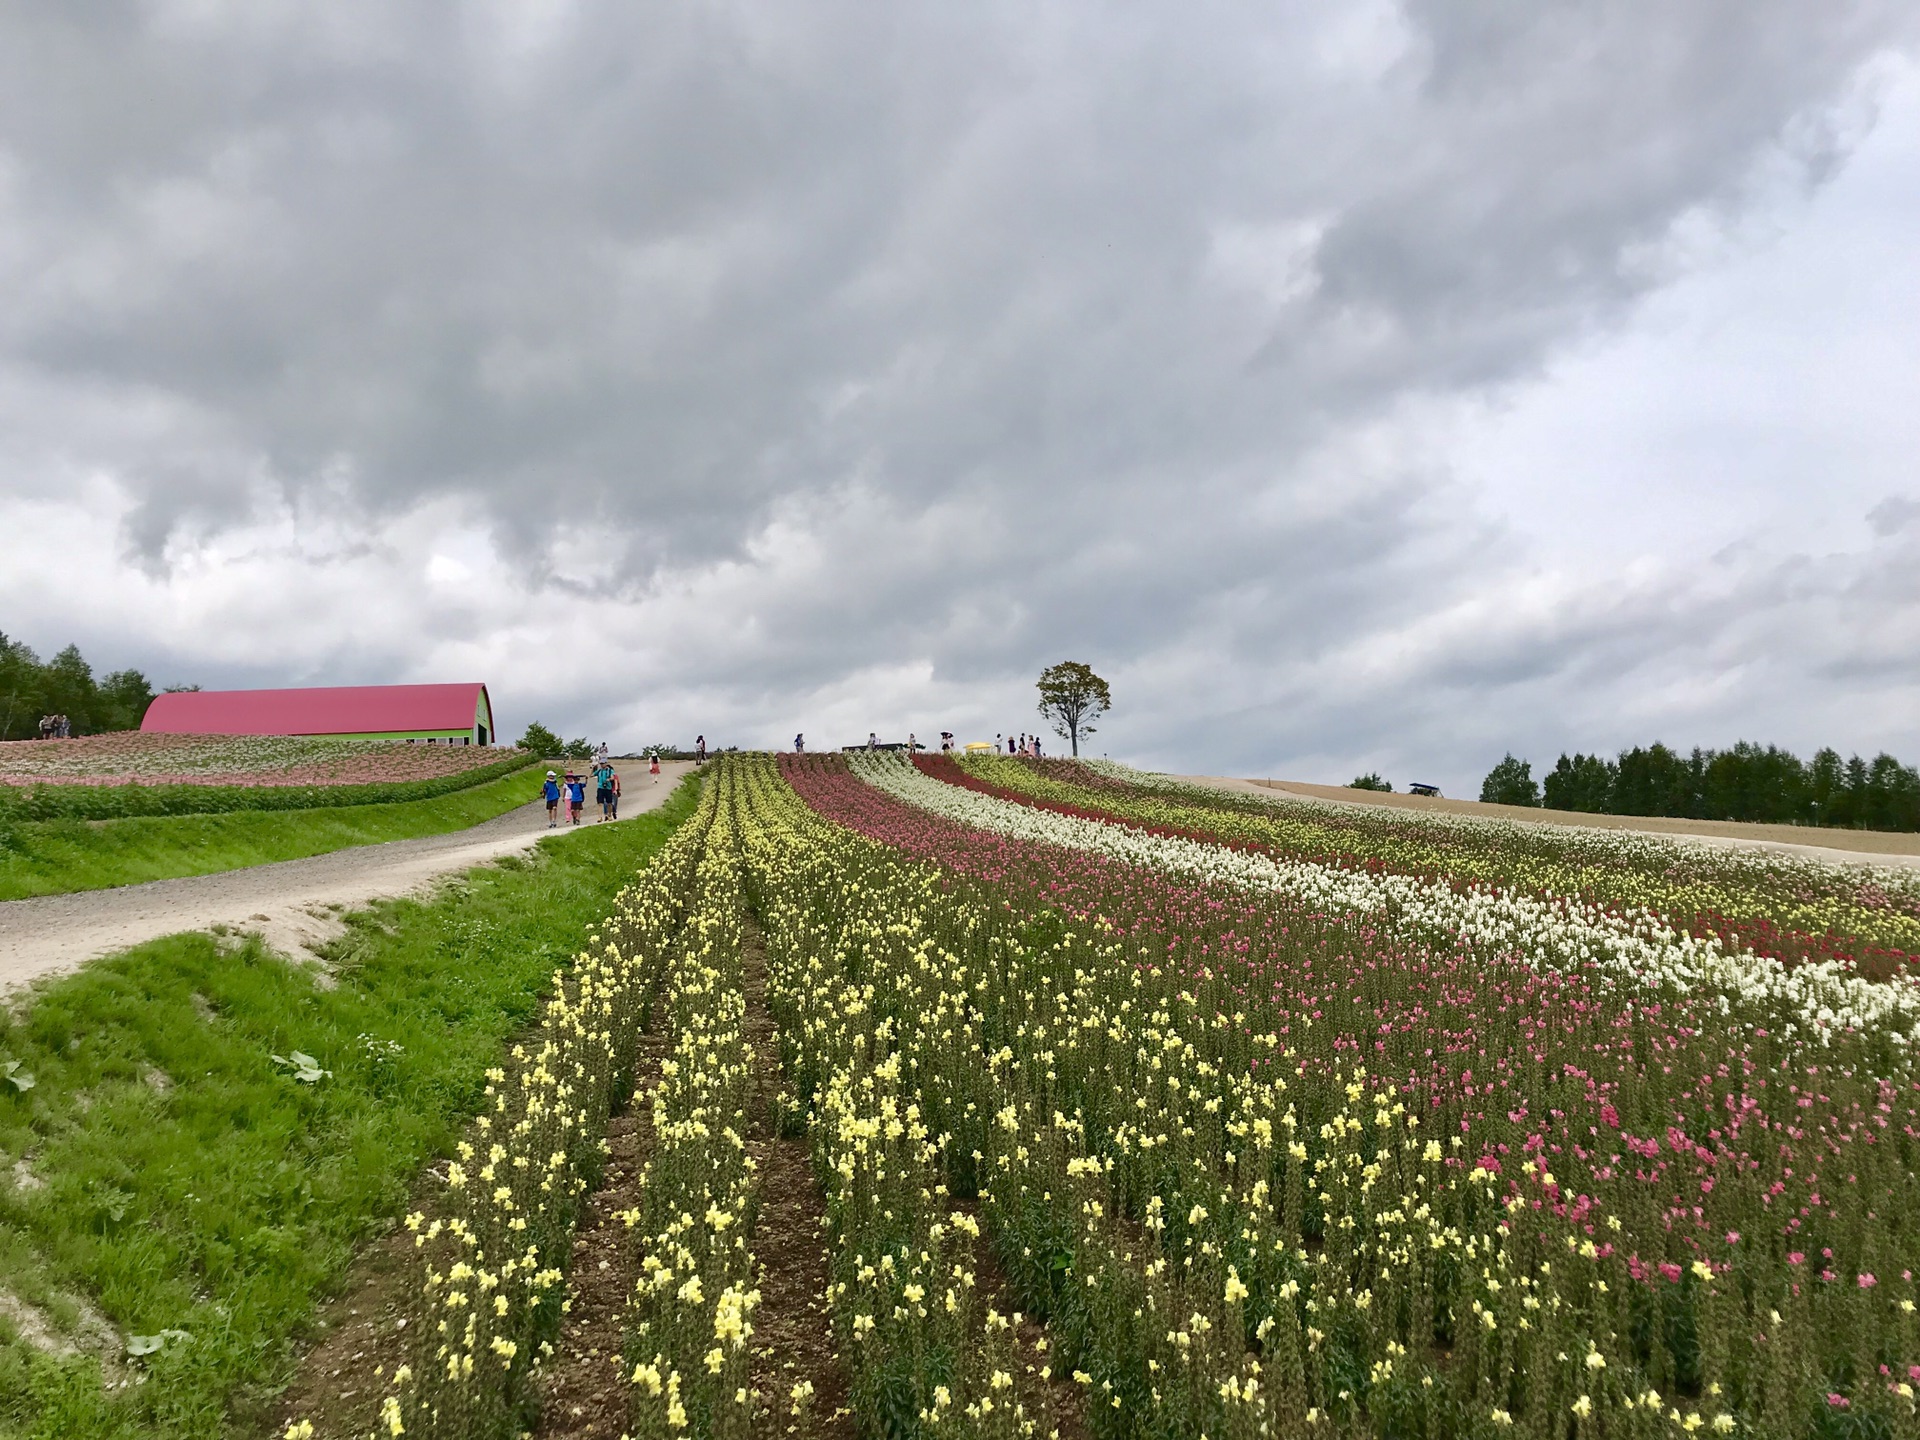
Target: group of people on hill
(1028,745)
(572,789)
(55,727)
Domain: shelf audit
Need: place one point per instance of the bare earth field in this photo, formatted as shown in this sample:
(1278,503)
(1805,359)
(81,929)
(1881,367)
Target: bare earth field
(1878,846)
(293,904)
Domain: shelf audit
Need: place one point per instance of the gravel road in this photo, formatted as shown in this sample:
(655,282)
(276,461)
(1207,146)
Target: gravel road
(292,904)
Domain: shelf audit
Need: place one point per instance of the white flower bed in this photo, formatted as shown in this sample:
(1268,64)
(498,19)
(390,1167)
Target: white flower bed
(1581,843)
(1633,946)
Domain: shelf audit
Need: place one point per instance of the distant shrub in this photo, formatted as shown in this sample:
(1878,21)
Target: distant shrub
(1369,781)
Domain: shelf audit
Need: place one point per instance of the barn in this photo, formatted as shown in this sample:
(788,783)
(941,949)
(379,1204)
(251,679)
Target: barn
(433,714)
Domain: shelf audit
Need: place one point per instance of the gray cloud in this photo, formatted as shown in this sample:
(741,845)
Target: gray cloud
(788,347)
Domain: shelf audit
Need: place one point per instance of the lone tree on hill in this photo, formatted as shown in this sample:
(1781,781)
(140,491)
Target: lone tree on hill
(1370,781)
(1073,697)
(1510,782)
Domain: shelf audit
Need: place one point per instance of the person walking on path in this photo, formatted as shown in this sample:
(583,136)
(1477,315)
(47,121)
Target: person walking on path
(699,749)
(800,744)
(653,769)
(576,796)
(614,781)
(873,741)
(603,789)
(552,791)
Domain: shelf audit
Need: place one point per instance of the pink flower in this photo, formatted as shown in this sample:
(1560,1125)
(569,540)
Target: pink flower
(1867,1282)
(1796,1257)
(1838,1401)
(1733,1237)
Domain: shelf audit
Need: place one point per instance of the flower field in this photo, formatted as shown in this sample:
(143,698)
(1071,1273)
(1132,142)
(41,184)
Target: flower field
(132,757)
(1277,1120)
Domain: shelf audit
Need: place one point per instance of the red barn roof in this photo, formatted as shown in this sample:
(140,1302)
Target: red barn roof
(338,710)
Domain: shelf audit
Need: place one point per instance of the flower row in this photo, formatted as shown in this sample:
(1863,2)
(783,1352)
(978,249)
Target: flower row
(1631,947)
(493,1248)
(1805,907)
(927,1355)
(690,1317)
(1431,1192)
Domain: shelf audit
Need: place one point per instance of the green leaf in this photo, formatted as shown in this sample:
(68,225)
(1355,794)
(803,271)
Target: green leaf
(18,1078)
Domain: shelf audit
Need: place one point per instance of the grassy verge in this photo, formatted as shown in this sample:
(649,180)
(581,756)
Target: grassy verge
(166,1178)
(54,857)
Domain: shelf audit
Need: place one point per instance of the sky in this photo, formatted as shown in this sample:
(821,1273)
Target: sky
(1383,386)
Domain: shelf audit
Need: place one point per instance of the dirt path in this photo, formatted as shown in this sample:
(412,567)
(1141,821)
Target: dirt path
(1856,847)
(292,904)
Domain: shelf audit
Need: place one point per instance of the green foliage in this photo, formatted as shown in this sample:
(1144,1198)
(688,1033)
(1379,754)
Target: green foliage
(57,856)
(1073,697)
(1582,783)
(65,685)
(1760,784)
(1510,782)
(580,749)
(542,743)
(126,802)
(200,1194)
(1370,781)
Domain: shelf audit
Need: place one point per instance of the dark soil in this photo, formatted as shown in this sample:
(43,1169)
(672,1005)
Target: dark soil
(360,1339)
(1065,1401)
(584,1390)
(793,1339)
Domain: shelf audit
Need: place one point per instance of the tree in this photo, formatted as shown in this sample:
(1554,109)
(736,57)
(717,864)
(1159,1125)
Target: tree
(1510,782)
(24,688)
(542,742)
(124,697)
(1370,781)
(581,749)
(1073,697)
(1584,782)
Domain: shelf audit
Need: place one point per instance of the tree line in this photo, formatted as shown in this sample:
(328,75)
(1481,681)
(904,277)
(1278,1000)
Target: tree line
(66,685)
(1763,784)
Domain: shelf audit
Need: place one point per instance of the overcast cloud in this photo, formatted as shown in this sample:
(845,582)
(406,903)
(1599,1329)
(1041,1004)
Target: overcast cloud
(1370,385)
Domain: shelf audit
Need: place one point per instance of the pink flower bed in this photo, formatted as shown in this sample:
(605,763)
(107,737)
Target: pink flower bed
(133,758)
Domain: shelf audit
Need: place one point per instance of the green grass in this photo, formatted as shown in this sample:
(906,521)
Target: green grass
(191,1184)
(54,857)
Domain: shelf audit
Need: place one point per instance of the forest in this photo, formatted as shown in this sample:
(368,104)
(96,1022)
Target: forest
(65,685)
(1762,784)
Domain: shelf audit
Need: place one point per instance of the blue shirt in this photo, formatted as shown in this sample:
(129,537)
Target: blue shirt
(577,792)
(552,789)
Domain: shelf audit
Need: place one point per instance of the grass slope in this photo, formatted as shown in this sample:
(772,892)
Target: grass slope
(55,857)
(165,1171)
